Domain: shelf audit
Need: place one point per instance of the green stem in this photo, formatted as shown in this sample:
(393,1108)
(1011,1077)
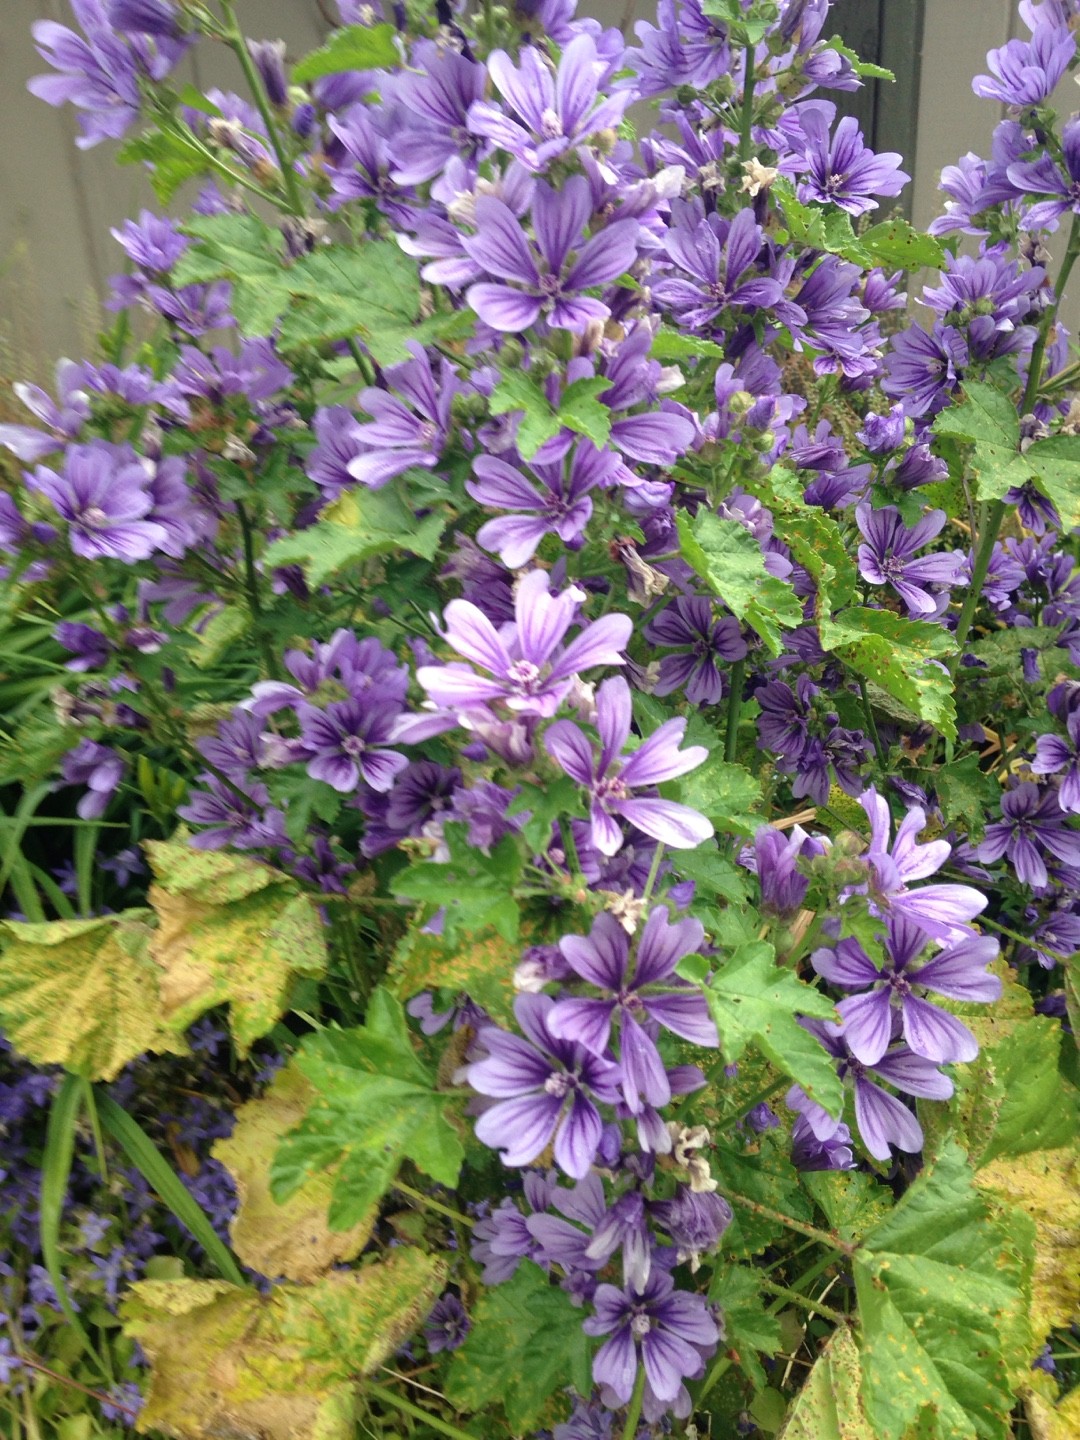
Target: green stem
(871,723)
(654,870)
(810,1231)
(734,709)
(251,582)
(633,1415)
(95,1127)
(406,1407)
(430,1204)
(786,1293)
(1038,351)
(746,117)
(1027,940)
(238,45)
(745,1106)
(363,364)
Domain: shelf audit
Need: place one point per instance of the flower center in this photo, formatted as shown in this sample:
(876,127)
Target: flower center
(95,518)
(612,789)
(353,746)
(559,1083)
(524,674)
(550,285)
(834,184)
(893,567)
(641,1324)
(550,125)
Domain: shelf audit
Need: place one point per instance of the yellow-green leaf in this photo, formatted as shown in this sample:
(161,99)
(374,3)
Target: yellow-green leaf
(232,1362)
(829,1406)
(230,931)
(291,1239)
(84,994)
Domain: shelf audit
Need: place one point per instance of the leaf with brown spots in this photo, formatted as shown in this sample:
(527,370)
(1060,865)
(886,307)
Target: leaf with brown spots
(230,1362)
(829,1407)
(84,994)
(230,931)
(291,1238)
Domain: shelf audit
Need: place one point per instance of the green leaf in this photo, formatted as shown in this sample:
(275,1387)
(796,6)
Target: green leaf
(338,291)
(729,560)
(357,47)
(766,1176)
(1055,465)
(815,539)
(229,1361)
(84,994)
(173,158)
(525,1344)
(894,244)
(819,228)
(674,345)
(479,963)
(850,1200)
(356,527)
(749,1329)
(829,1406)
(715,875)
(580,410)
(519,391)
(56,1161)
(290,1239)
(987,419)
(902,656)
(230,931)
(861,67)
(475,888)
(940,1284)
(966,793)
(375,1105)
(725,793)
(754,1002)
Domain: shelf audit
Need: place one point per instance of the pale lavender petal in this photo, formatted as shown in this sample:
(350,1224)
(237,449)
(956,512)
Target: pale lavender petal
(936,1035)
(883,1121)
(670,823)
(867,1024)
(568,746)
(520,1129)
(578,1137)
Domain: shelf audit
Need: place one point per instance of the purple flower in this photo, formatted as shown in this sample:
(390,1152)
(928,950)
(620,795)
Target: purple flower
(774,860)
(844,171)
(1053,754)
(1043,177)
(1025,72)
(544,1088)
(99,769)
(501,1240)
(90,647)
(63,418)
(1031,828)
(447,1325)
(345,743)
(145,17)
(559,505)
(269,60)
(603,959)
(337,431)
(104,494)
(239,815)
(810,1152)
(434,95)
(529,668)
(716,254)
(688,624)
(408,428)
(882,1119)
(942,911)
(610,777)
(548,115)
(695,1220)
(546,282)
(922,369)
(888,556)
(664,1329)
(957,972)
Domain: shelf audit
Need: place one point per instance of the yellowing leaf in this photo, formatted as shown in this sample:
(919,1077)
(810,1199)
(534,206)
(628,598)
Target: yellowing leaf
(84,994)
(291,1239)
(829,1407)
(1046,1186)
(231,931)
(1046,1419)
(481,964)
(231,1362)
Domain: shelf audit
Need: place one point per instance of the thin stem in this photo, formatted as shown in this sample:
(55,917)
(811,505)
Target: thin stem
(654,870)
(745,1106)
(1027,940)
(363,364)
(1038,350)
(34,1364)
(95,1128)
(871,723)
(238,45)
(430,1204)
(746,117)
(251,584)
(398,1402)
(633,1415)
(810,1231)
(734,709)
(816,1306)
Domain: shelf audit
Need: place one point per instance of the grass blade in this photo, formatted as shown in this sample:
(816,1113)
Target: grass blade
(55,1173)
(159,1174)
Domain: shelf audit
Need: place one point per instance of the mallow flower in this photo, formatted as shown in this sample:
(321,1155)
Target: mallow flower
(529,668)
(545,1089)
(103,492)
(640,992)
(1054,754)
(887,556)
(611,777)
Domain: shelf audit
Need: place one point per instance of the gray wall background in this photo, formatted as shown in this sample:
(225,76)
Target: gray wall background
(57,203)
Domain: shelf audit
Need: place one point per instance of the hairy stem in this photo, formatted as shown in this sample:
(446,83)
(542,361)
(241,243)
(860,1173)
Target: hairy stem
(746,115)
(406,1407)
(734,709)
(633,1414)
(810,1231)
(238,44)
(251,584)
(430,1204)
(826,1311)
(871,723)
